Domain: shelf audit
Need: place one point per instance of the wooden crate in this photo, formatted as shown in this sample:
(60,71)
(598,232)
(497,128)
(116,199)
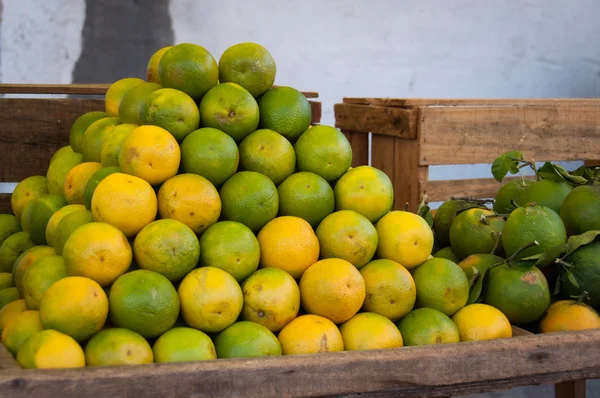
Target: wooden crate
(410,135)
(31,129)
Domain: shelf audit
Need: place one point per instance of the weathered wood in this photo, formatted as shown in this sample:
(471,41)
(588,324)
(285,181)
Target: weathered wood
(5,203)
(6,359)
(514,102)
(591,163)
(360,147)
(480,188)
(377,120)
(570,389)
(447,369)
(31,130)
(81,89)
(315,107)
(517,331)
(470,135)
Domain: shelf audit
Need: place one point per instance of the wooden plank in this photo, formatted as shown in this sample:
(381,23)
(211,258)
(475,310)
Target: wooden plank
(377,120)
(570,389)
(591,163)
(82,89)
(479,188)
(315,107)
(411,102)
(6,359)
(31,130)
(360,147)
(517,331)
(470,135)
(446,369)
(5,203)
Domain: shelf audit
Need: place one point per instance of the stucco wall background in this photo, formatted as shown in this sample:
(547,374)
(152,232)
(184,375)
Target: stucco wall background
(379,48)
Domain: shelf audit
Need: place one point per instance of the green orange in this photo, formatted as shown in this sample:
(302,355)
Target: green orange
(285,110)
(20,328)
(81,124)
(56,218)
(580,210)
(183,344)
(509,195)
(476,231)
(67,225)
(306,195)
(446,253)
(246,339)
(132,103)
(250,65)
(93,138)
(116,91)
(12,248)
(58,170)
(8,295)
(152,67)
(425,326)
(27,190)
(325,151)
(25,261)
(117,346)
(111,145)
(268,153)
(9,225)
(39,277)
(586,270)
(173,110)
(37,214)
(546,193)
(93,182)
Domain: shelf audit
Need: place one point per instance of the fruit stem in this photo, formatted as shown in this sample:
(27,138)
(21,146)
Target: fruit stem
(472,199)
(562,262)
(530,163)
(512,258)
(583,296)
(499,236)
(512,202)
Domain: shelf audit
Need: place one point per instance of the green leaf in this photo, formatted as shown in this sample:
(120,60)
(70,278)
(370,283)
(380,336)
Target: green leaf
(572,279)
(549,172)
(507,162)
(550,255)
(576,180)
(576,241)
(477,293)
(425,213)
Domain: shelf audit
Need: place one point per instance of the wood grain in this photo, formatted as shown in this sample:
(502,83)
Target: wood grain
(470,135)
(377,120)
(31,130)
(515,102)
(447,369)
(360,147)
(517,331)
(5,203)
(6,359)
(478,188)
(82,89)
(315,107)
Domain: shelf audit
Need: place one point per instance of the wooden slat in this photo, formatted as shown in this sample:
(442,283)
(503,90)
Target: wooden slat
(446,369)
(5,203)
(31,130)
(479,188)
(315,107)
(570,389)
(6,359)
(82,89)
(591,163)
(360,147)
(469,135)
(377,120)
(410,102)
(517,331)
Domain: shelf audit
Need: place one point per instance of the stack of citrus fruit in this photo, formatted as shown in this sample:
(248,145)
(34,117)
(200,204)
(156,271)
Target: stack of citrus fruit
(201,216)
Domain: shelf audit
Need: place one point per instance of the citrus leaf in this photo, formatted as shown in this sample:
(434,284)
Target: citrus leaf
(576,241)
(549,172)
(425,213)
(477,293)
(573,179)
(505,163)
(550,255)
(572,279)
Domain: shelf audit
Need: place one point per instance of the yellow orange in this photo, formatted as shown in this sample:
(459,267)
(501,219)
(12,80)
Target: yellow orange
(309,334)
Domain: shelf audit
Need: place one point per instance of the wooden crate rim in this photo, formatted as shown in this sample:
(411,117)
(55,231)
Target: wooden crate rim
(468,102)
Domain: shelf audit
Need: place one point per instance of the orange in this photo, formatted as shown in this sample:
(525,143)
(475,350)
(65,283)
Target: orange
(390,289)
(370,331)
(288,243)
(231,109)
(347,235)
(425,326)
(285,110)
(210,153)
(26,260)
(93,182)
(68,225)
(94,136)
(9,225)
(152,67)
(332,288)
(250,65)
(189,68)
(168,247)
(6,280)
(568,315)
(325,151)
(211,299)
(447,253)
(581,210)
(77,179)
(268,153)
(65,150)
(245,340)
(111,145)
(39,277)
(310,334)
(183,344)
(117,346)
(476,231)
(173,110)
(441,285)
(306,195)
(145,302)
(481,322)
(250,198)
(81,124)
(190,199)
(151,153)
(58,170)
(12,248)
(37,214)
(509,195)
(49,349)
(8,295)
(271,298)
(116,91)
(76,306)
(444,217)
(125,201)
(20,328)
(404,237)
(27,190)
(232,247)
(366,190)
(97,251)
(56,218)
(546,193)
(132,103)
(10,310)
(586,270)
